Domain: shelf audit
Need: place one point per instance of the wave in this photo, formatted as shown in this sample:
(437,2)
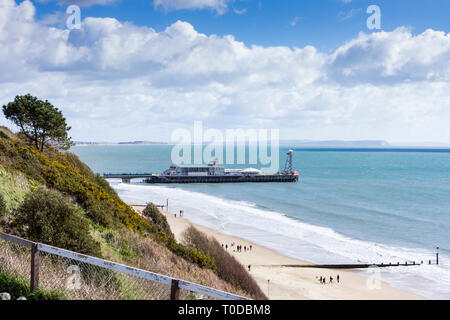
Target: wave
(294,238)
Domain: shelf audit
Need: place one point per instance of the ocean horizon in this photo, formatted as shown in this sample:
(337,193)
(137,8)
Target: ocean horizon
(351,205)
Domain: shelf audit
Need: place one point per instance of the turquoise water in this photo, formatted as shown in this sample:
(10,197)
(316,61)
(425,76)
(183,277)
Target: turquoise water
(349,206)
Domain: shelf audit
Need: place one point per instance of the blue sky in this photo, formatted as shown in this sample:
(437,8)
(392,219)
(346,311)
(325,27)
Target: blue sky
(325,24)
(141,69)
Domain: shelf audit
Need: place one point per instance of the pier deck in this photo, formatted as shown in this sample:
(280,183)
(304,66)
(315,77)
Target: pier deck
(157,178)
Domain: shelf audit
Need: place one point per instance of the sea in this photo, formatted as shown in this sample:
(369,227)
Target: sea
(350,205)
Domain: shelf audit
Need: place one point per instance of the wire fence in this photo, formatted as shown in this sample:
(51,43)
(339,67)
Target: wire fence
(15,259)
(81,277)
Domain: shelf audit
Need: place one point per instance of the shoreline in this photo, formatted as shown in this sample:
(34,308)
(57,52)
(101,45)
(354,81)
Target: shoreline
(289,283)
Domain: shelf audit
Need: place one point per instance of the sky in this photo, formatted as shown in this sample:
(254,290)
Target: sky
(315,70)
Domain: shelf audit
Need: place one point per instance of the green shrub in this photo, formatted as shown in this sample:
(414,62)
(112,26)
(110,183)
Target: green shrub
(158,219)
(2,205)
(45,216)
(104,184)
(77,163)
(192,255)
(66,173)
(99,212)
(202,260)
(19,287)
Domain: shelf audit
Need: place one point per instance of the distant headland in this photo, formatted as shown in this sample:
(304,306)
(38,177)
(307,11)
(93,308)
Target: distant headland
(336,143)
(86,143)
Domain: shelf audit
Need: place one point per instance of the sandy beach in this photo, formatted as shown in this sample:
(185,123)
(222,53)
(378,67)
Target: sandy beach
(290,283)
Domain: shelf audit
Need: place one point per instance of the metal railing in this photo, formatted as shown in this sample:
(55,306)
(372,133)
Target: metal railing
(79,276)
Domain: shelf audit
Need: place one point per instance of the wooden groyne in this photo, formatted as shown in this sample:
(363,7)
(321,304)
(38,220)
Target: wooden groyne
(363,265)
(355,265)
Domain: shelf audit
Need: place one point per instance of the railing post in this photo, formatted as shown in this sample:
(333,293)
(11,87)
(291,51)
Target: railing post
(34,282)
(174,290)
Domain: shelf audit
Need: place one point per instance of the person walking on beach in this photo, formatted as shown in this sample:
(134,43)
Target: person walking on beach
(250,247)
(337,278)
(249,268)
(331,279)
(320,280)
(226,247)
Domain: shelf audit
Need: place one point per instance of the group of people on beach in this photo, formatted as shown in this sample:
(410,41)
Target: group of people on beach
(181,214)
(323,280)
(238,247)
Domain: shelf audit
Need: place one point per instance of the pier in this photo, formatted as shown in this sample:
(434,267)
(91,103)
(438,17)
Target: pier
(126,177)
(211,173)
(157,178)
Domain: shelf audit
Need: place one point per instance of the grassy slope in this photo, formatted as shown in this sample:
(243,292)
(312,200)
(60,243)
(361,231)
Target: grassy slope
(13,186)
(124,235)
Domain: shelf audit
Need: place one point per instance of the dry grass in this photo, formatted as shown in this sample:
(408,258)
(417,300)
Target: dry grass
(228,268)
(7,134)
(53,273)
(94,283)
(158,259)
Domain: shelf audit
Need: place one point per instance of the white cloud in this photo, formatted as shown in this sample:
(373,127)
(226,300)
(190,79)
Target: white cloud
(387,57)
(220,6)
(57,18)
(119,81)
(240,11)
(294,21)
(342,15)
(81,3)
